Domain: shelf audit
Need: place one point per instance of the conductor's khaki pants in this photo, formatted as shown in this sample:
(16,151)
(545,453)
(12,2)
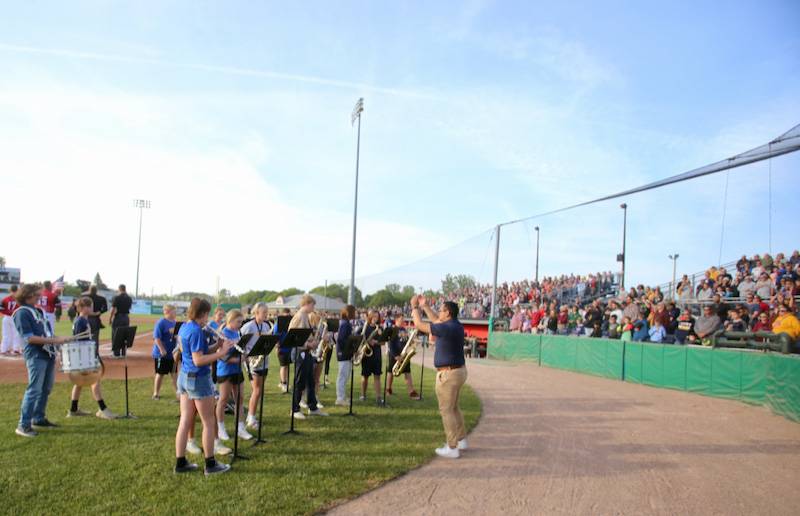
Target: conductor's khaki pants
(448,388)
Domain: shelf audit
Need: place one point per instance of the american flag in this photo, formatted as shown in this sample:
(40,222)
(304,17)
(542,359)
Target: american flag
(59,283)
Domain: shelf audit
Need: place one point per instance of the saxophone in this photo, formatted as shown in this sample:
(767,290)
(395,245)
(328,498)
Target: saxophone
(409,350)
(322,347)
(365,349)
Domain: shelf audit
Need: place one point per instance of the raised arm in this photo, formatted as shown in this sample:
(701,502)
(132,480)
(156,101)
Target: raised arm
(416,315)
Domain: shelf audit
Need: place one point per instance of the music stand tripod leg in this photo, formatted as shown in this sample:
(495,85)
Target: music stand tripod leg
(259,440)
(238,407)
(297,364)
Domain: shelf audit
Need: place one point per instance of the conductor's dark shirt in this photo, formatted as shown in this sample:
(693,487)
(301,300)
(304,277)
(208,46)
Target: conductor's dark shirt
(449,343)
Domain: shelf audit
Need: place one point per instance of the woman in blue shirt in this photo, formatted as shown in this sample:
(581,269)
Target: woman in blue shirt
(195,387)
(230,377)
(40,359)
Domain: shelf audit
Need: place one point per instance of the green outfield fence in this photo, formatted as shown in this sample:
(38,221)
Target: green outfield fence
(753,377)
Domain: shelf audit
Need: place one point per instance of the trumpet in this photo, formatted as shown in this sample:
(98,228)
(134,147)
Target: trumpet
(365,349)
(409,350)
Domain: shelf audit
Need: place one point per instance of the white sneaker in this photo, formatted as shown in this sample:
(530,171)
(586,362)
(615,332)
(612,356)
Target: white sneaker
(299,415)
(320,405)
(220,449)
(223,434)
(462,444)
(303,404)
(243,433)
(342,403)
(191,447)
(317,412)
(105,414)
(252,423)
(362,398)
(284,388)
(448,452)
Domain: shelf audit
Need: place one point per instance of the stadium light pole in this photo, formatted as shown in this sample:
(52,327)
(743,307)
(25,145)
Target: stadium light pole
(493,314)
(142,204)
(356,114)
(537,253)
(624,235)
(674,258)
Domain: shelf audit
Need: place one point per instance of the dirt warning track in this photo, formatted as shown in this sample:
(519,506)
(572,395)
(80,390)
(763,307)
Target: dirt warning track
(556,442)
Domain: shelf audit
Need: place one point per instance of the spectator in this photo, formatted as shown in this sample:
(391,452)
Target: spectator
(735,323)
(684,331)
(627,330)
(762,323)
(563,321)
(614,328)
(747,287)
(640,330)
(657,332)
(706,324)
(764,286)
(787,323)
(516,320)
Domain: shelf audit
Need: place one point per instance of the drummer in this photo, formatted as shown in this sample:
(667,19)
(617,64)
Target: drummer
(80,325)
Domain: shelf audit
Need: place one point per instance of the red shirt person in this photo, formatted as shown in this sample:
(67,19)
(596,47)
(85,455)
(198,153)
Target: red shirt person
(11,340)
(47,302)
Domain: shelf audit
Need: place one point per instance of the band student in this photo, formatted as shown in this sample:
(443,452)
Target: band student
(451,371)
(372,365)
(196,389)
(319,361)
(344,355)
(216,324)
(258,366)
(395,349)
(284,356)
(304,362)
(81,325)
(163,349)
(40,360)
(230,377)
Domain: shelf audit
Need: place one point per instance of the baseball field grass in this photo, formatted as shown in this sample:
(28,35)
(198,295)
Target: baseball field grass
(93,466)
(144,324)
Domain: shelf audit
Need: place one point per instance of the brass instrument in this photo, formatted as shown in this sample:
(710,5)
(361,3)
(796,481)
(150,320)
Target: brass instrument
(365,349)
(217,333)
(409,350)
(319,352)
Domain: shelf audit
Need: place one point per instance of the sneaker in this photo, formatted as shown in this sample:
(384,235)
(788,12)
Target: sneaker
(77,413)
(243,433)
(342,403)
(191,447)
(320,405)
(362,398)
(188,468)
(221,449)
(285,388)
(448,452)
(156,397)
(414,395)
(303,404)
(252,423)
(380,402)
(44,423)
(223,434)
(230,408)
(25,432)
(299,415)
(105,414)
(462,444)
(317,412)
(218,467)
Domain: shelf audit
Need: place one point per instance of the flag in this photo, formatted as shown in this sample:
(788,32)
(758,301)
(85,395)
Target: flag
(59,283)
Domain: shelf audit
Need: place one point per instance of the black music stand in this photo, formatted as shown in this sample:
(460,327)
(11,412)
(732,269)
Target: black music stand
(262,347)
(386,336)
(353,341)
(122,339)
(295,338)
(283,323)
(237,351)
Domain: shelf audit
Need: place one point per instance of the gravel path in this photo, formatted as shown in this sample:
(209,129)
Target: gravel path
(555,442)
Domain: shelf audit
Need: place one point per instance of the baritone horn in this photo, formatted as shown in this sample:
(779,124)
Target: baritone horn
(409,350)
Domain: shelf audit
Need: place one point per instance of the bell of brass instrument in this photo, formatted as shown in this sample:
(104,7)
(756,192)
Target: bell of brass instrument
(409,350)
(364,349)
(322,346)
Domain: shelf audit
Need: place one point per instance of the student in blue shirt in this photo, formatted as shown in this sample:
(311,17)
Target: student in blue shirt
(230,377)
(216,324)
(344,356)
(40,360)
(81,324)
(195,387)
(163,349)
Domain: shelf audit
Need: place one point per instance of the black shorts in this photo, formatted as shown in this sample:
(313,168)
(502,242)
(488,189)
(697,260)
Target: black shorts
(260,372)
(372,365)
(285,359)
(235,378)
(392,362)
(164,365)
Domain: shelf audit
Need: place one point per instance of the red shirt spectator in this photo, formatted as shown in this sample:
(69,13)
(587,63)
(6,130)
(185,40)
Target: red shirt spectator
(48,301)
(8,305)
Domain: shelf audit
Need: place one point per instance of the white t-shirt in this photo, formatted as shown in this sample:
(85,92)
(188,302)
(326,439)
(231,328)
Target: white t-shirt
(256,330)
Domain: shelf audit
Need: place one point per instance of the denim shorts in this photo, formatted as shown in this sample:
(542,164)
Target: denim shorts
(196,387)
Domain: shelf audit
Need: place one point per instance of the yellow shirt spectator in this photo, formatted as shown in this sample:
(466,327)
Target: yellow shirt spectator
(786,322)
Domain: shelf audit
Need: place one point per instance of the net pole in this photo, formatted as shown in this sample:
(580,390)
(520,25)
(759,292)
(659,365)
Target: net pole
(493,314)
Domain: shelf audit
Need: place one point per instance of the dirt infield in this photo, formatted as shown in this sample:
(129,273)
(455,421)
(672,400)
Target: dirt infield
(140,364)
(556,442)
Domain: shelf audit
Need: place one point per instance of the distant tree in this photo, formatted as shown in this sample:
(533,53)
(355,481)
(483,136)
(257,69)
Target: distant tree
(187,296)
(452,283)
(98,281)
(338,291)
(72,290)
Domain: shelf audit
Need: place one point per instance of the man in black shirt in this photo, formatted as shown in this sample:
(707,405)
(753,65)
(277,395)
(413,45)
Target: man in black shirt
(451,372)
(120,311)
(100,307)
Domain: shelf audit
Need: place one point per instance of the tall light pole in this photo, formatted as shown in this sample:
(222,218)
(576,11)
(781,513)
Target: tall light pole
(674,258)
(537,253)
(142,204)
(356,114)
(622,257)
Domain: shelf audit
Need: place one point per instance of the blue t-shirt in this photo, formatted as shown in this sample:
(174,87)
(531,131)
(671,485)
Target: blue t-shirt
(193,340)
(27,326)
(449,343)
(224,368)
(165,332)
(80,325)
(345,331)
(395,344)
(281,337)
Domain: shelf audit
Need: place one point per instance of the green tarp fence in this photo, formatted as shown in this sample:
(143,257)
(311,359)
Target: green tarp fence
(754,377)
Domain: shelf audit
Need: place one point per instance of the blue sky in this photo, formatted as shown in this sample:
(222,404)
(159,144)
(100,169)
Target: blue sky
(234,119)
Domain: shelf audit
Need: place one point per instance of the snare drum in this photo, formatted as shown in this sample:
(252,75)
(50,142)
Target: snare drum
(80,360)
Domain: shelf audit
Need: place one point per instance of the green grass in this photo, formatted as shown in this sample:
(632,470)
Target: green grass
(93,466)
(144,324)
